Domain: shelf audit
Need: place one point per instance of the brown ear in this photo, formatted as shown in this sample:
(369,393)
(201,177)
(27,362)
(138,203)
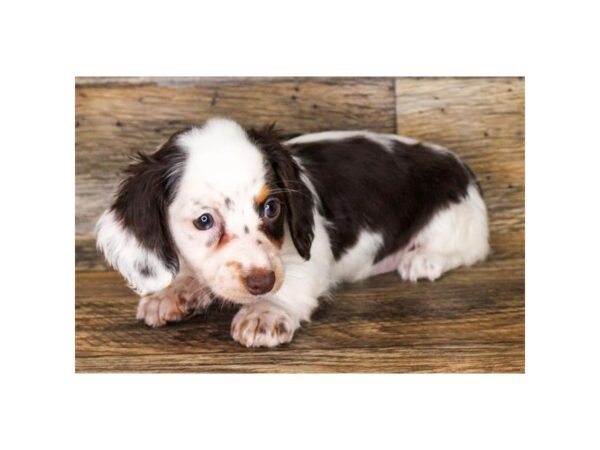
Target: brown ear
(133,233)
(298,198)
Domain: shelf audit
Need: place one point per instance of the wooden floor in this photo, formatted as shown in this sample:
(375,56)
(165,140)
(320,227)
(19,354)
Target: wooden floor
(471,320)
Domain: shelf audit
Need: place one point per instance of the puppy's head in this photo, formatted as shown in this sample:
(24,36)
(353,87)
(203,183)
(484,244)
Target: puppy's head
(217,201)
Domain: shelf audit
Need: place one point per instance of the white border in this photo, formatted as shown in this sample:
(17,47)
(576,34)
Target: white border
(46,44)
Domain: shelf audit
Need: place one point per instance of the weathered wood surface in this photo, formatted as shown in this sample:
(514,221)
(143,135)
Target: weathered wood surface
(472,320)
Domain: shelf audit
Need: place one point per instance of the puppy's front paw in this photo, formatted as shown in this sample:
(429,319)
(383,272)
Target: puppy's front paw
(262,324)
(158,309)
(176,302)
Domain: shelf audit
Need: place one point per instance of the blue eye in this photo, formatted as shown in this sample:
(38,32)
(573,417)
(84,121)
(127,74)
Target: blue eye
(271,209)
(204,222)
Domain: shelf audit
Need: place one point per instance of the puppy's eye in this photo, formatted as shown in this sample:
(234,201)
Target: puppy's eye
(271,209)
(204,222)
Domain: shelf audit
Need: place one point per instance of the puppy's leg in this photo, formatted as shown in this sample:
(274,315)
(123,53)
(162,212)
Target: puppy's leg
(269,323)
(456,236)
(180,300)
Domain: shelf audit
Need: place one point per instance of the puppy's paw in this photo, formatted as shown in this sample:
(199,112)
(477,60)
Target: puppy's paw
(421,265)
(158,309)
(263,324)
(176,302)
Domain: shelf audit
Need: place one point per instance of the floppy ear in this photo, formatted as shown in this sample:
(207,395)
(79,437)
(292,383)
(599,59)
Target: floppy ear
(134,233)
(287,173)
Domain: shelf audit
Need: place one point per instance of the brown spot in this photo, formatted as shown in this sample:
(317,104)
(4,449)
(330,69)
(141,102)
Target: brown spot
(280,328)
(241,278)
(246,230)
(237,267)
(227,202)
(148,272)
(256,327)
(262,195)
(235,264)
(183,301)
(262,329)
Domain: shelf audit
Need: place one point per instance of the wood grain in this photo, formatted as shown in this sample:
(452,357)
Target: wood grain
(472,320)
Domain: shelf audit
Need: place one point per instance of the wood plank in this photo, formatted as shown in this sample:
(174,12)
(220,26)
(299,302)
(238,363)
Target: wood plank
(450,359)
(480,119)
(115,118)
(472,320)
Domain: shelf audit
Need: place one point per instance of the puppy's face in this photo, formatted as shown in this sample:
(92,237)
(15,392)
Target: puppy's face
(227,219)
(217,201)
(231,238)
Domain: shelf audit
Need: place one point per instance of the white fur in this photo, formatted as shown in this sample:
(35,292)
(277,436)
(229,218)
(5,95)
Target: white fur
(123,252)
(355,264)
(402,139)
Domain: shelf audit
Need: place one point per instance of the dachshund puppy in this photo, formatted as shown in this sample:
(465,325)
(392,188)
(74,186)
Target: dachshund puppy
(273,224)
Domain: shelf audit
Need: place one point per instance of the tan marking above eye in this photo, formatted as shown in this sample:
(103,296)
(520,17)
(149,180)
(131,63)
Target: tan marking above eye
(262,195)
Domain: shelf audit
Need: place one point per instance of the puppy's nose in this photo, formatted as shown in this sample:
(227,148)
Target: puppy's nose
(260,281)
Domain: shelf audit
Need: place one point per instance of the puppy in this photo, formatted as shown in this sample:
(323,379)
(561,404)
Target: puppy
(272,224)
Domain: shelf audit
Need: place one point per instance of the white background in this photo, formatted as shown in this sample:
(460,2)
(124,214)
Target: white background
(45,44)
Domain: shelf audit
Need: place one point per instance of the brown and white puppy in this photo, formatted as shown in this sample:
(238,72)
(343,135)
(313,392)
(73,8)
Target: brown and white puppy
(272,225)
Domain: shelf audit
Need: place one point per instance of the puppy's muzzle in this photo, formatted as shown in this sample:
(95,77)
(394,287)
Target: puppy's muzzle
(259,281)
